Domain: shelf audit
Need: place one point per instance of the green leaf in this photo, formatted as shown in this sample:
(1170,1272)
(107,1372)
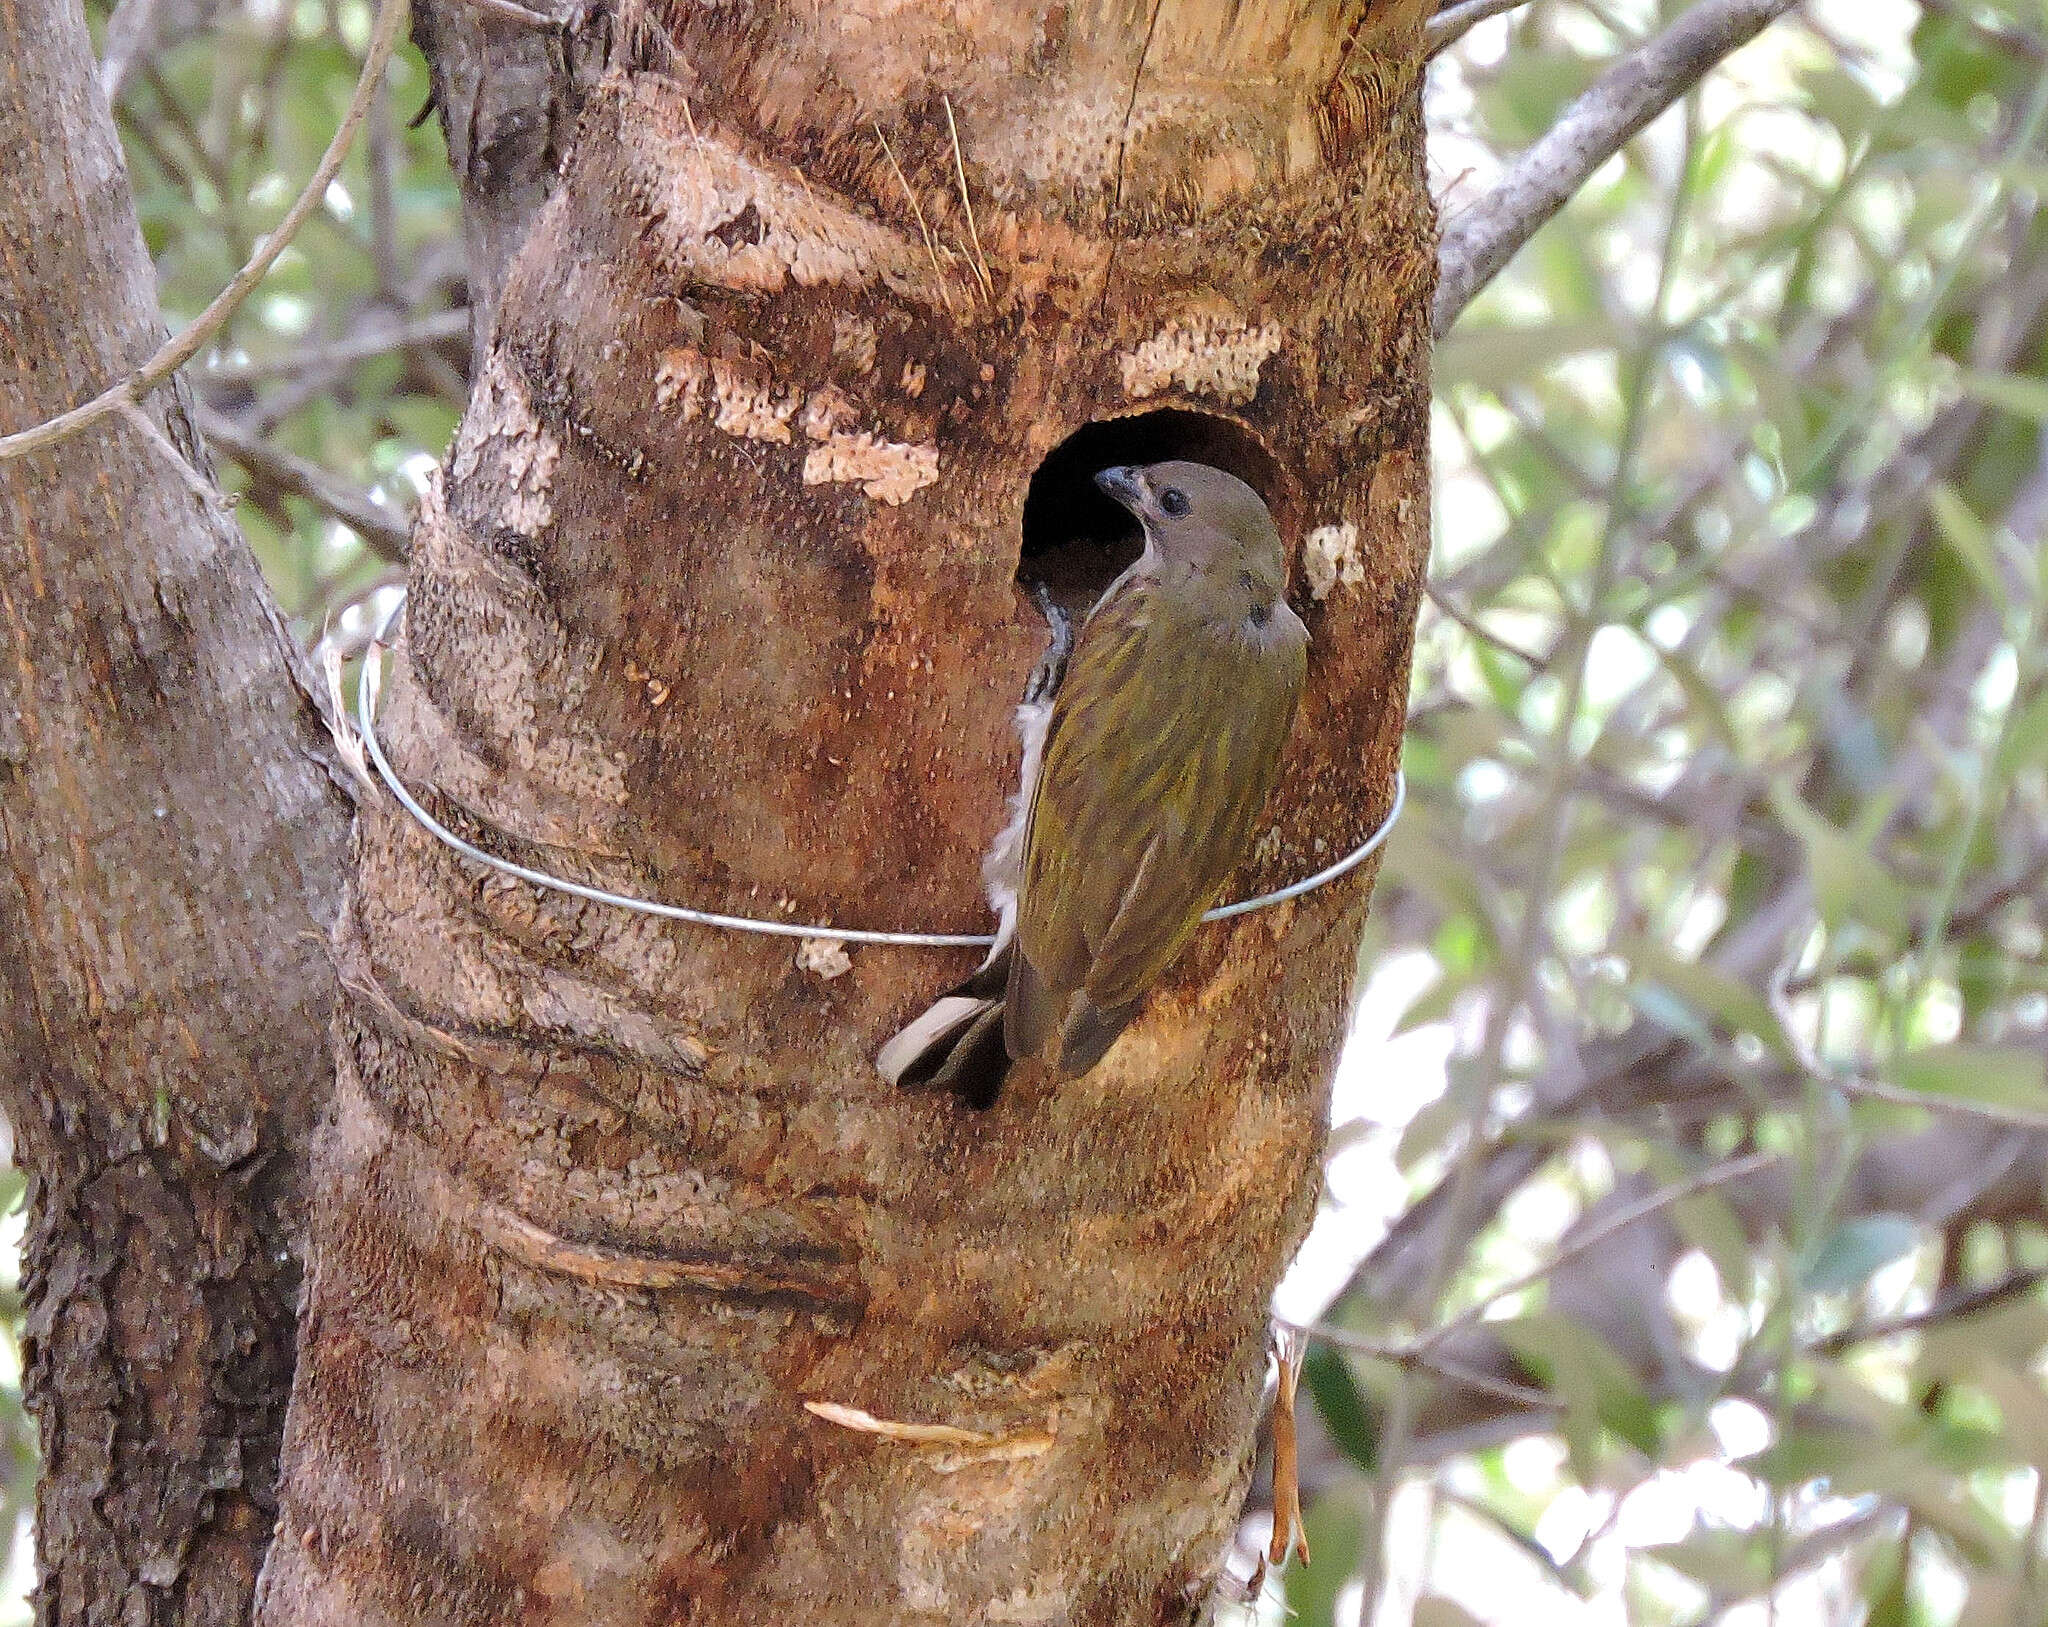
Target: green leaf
(1595,1384)
(1326,1375)
(1858,1249)
(1727,1000)
(2022,1408)
(2010,392)
(1701,698)
(2026,736)
(1849,882)
(1968,538)
(1506,353)
(2000,1075)
(1724,1562)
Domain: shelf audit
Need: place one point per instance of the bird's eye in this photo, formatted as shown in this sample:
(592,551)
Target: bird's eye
(1174,500)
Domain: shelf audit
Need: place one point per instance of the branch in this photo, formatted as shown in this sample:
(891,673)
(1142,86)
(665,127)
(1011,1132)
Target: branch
(131,33)
(427,331)
(1599,124)
(175,352)
(1950,1308)
(383,532)
(1455,21)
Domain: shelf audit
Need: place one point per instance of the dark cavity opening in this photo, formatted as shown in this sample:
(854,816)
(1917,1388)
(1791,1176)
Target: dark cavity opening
(1077,541)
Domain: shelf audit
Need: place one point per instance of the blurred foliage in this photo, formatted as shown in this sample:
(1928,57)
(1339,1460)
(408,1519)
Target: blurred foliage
(1726,852)
(1704,997)
(352,355)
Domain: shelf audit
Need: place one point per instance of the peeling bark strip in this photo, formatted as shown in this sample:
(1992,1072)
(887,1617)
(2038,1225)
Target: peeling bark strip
(171,844)
(640,1298)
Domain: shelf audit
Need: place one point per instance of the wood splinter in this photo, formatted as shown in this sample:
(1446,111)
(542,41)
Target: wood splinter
(866,1423)
(1289,1346)
(967,1446)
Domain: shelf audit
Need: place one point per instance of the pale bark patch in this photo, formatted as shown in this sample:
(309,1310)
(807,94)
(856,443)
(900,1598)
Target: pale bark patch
(742,402)
(890,472)
(1208,355)
(823,958)
(1330,557)
(500,410)
(741,223)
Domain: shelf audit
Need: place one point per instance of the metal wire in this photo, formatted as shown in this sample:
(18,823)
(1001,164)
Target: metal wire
(366,721)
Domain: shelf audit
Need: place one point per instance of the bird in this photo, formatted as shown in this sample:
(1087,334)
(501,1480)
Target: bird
(1144,770)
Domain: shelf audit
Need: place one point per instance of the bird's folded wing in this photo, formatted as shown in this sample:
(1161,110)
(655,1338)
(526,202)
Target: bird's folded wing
(1165,742)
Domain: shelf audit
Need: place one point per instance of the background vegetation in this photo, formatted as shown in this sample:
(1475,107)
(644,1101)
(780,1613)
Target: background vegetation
(1683,1254)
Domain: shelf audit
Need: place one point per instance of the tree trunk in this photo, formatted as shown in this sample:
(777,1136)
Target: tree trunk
(171,843)
(508,95)
(720,602)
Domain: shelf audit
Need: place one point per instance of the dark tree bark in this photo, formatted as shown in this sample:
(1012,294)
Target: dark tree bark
(719,602)
(171,839)
(508,94)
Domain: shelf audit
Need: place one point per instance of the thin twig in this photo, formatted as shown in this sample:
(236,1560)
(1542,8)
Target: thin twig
(1452,611)
(1480,242)
(131,34)
(196,483)
(1817,1068)
(1953,1307)
(437,329)
(383,532)
(1732,1169)
(176,351)
(1454,22)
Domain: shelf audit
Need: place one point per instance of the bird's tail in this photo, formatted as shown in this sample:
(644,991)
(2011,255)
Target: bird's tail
(956,1044)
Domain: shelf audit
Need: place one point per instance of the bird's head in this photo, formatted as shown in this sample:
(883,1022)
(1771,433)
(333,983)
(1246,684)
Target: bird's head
(1199,517)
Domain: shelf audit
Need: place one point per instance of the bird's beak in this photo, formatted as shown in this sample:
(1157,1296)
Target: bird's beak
(1123,484)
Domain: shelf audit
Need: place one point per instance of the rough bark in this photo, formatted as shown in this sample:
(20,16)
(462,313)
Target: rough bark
(171,845)
(508,94)
(719,604)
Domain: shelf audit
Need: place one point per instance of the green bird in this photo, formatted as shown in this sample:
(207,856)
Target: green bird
(1142,778)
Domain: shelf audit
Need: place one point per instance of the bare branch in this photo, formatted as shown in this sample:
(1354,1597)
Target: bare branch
(176,351)
(437,329)
(1950,1308)
(192,480)
(1591,1237)
(513,12)
(131,33)
(1479,242)
(383,532)
(1455,21)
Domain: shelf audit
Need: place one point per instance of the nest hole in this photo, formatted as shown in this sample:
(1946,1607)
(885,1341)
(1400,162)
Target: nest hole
(1077,541)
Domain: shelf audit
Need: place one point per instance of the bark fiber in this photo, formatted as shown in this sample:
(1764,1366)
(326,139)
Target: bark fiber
(172,840)
(718,602)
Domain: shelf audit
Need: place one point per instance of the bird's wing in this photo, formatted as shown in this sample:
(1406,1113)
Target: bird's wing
(1164,742)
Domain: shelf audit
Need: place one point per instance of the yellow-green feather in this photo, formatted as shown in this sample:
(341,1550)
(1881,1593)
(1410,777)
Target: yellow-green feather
(1166,738)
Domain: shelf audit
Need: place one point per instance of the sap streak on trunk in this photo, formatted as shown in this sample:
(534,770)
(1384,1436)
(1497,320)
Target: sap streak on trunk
(718,603)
